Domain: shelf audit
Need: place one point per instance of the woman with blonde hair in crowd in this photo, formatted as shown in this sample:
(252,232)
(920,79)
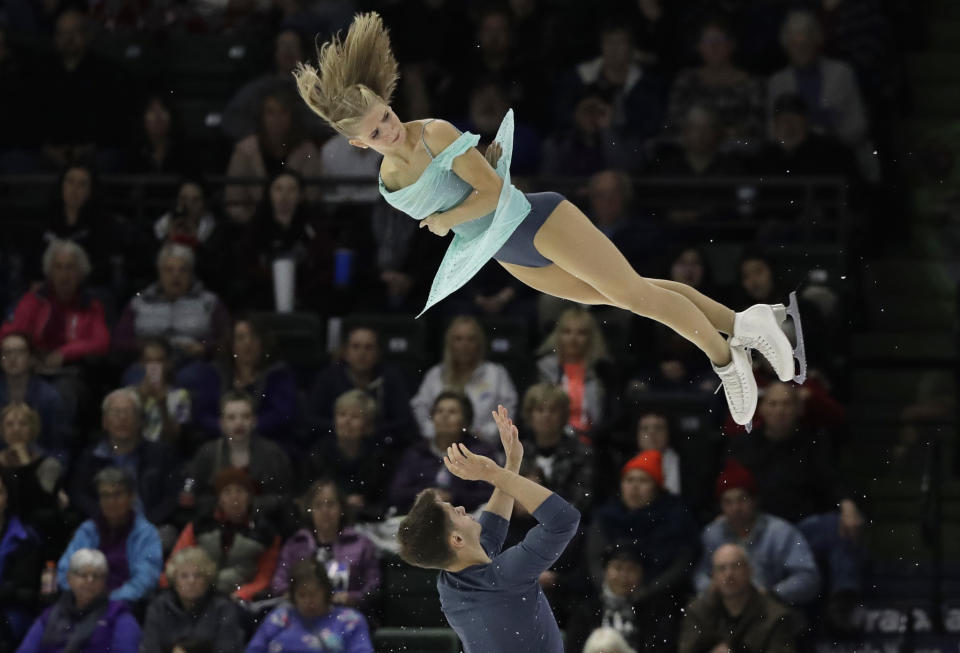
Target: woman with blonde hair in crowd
(465,369)
(436,175)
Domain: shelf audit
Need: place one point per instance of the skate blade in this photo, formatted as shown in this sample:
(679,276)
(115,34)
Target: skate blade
(781,313)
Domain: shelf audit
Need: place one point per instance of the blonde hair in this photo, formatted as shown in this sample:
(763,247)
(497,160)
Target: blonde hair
(352,74)
(597,346)
(33,417)
(450,382)
(545,393)
(359,399)
(192,555)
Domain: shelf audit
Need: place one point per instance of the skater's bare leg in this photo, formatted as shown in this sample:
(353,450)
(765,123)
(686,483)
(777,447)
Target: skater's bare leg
(719,315)
(574,244)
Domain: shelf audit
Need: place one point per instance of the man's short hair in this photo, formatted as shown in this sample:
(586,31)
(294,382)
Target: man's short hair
(237,395)
(123,393)
(423,534)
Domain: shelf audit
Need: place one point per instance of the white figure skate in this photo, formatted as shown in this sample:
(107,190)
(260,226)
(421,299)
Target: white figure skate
(763,327)
(739,385)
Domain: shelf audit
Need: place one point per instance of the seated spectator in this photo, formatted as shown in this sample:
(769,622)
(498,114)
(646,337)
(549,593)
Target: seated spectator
(647,625)
(176,307)
(130,543)
(567,464)
(160,147)
(653,523)
(610,195)
(242,113)
(733,615)
(421,465)
(166,408)
(249,366)
(359,367)
(797,481)
(34,480)
(730,93)
(19,384)
(191,222)
(587,145)
(311,617)
(489,103)
(698,152)
(687,466)
(574,356)
(191,608)
(20,568)
(65,323)
(828,87)
(465,370)
(606,640)
(358,464)
(241,541)
(85,618)
(781,560)
(349,557)
(241,448)
(152,465)
(280,143)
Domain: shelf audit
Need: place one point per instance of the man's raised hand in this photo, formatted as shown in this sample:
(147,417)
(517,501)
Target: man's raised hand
(509,436)
(469,466)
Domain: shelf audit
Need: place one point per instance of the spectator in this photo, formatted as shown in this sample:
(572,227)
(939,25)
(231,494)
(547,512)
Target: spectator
(160,147)
(828,87)
(176,307)
(574,356)
(464,369)
(166,408)
(33,481)
(646,625)
(192,223)
(780,558)
(242,542)
(421,465)
(654,523)
(567,464)
(698,153)
(490,98)
(151,465)
(587,144)
(355,461)
(732,95)
(65,323)
(20,384)
(310,617)
(606,640)
(130,543)
(797,481)
(349,557)
(610,195)
(242,113)
(279,144)
(19,573)
(241,448)
(85,618)
(733,615)
(359,366)
(191,608)
(361,164)
(248,365)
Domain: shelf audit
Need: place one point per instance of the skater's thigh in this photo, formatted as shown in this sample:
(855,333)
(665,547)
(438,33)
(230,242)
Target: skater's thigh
(554,280)
(573,243)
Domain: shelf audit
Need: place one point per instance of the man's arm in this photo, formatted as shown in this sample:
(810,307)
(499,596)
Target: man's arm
(501,503)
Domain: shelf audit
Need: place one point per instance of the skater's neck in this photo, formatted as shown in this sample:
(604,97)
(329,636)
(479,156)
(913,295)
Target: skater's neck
(469,557)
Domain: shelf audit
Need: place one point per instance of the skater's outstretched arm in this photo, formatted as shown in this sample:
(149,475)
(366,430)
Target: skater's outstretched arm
(467,465)
(501,503)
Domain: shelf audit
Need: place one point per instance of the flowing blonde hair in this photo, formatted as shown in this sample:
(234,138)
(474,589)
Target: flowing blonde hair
(596,348)
(352,74)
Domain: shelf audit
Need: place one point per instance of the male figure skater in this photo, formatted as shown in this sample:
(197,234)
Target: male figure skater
(490,597)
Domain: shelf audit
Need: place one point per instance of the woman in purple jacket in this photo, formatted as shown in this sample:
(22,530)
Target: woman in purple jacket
(348,556)
(84,619)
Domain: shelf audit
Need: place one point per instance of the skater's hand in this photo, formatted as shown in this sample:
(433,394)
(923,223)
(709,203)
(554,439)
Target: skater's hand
(463,463)
(510,438)
(437,224)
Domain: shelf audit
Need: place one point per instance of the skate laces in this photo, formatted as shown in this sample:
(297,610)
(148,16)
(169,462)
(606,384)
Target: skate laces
(734,374)
(758,342)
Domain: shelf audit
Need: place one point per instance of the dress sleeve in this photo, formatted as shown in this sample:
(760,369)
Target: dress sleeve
(464,142)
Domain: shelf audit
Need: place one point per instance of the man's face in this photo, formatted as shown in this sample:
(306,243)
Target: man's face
(462,522)
(237,420)
(652,433)
(175,276)
(86,584)
(121,420)
(361,353)
(739,507)
(64,273)
(190,582)
(779,410)
(731,571)
(70,35)
(623,576)
(116,503)
(14,355)
(637,489)
(756,279)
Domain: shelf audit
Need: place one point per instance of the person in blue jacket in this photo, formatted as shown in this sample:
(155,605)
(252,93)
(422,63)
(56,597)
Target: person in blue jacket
(490,597)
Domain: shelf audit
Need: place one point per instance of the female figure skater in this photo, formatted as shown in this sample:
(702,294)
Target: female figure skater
(435,174)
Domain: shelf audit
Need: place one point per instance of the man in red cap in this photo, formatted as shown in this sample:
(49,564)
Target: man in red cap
(780,557)
(651,521)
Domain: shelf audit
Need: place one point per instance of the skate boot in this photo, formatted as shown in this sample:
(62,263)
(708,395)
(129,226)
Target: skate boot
(739,385)
(759,328)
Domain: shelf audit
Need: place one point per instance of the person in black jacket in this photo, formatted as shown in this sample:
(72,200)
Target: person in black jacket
(20,567)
